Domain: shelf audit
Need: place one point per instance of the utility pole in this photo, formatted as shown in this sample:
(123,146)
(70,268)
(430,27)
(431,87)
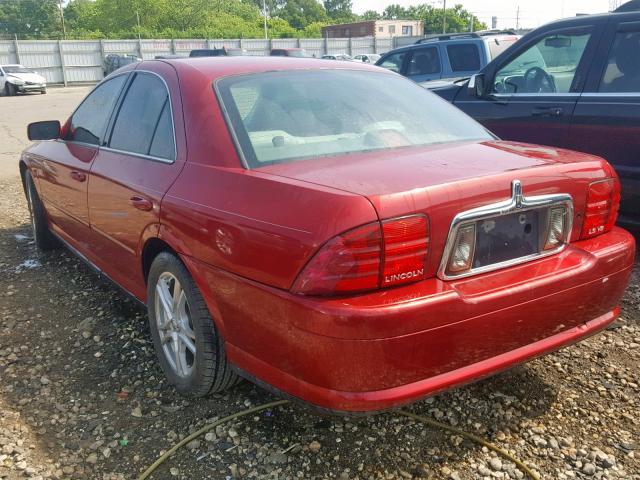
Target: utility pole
(471,24)
(64,30)
(264,12)
(444,16)
(518,18)
(138,20)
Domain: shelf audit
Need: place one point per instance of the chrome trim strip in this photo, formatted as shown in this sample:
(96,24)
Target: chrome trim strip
(141,155)
(535,95)
(611,94)
(517,203)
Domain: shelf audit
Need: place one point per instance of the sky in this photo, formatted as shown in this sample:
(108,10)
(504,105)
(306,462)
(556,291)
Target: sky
(533,13)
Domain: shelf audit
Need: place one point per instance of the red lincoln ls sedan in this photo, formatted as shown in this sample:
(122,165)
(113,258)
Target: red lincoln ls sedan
(331,230)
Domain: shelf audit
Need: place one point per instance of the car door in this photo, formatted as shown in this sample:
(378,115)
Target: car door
(423,64)
(606,121)
(144,154)
(62,166)
(531,94)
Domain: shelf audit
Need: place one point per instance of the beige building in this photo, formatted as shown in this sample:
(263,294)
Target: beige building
(375,28)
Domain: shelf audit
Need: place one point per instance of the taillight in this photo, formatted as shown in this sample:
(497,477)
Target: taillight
(406,242)
(601,211)
(368,257)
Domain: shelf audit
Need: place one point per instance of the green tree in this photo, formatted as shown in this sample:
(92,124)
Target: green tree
(370,15)
(458,20)
(300,13)
(394,12)
(339,10)
(30,18)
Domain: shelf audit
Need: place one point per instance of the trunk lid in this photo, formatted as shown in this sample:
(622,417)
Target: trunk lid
(444,180)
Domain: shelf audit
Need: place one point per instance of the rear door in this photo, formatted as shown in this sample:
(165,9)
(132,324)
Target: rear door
(144,154)
(533,91)
(606,121)
(63,165)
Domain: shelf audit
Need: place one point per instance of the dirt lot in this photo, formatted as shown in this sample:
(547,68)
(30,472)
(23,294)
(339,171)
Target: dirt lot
(81,395)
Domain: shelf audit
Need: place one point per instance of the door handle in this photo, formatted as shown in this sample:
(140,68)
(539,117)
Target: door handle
(547,112)
(78,176)
(141,203)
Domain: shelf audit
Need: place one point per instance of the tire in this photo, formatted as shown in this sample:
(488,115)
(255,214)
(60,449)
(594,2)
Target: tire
(9,90)
(42,236)
(188,327)
(43,91)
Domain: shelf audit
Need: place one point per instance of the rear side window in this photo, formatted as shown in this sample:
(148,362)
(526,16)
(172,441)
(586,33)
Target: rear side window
(463,57)
(623,67)
(424,61)
(394,62)
(89,121)
(143,124)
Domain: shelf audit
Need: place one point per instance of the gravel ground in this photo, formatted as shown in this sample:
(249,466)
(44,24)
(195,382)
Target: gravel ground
(81,396)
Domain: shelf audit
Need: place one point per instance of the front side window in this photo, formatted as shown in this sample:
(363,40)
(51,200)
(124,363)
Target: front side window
(394,62)
(549,66)
(89,121)
(464,57)
(143,124)
(296,115)
(622,74)
(424,61)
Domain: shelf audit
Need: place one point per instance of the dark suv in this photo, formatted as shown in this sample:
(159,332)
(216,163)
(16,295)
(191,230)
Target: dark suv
(573,83)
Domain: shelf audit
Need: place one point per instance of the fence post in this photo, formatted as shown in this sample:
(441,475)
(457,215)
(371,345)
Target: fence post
(62,64)
(207,43)
(298,42)
(375,45)
(270,46)
(350,48)
(15,45)
(173,46)
(140,48)
(325,46)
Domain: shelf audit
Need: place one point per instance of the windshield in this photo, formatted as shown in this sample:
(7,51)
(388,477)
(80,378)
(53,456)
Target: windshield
(16,69)
(296,115)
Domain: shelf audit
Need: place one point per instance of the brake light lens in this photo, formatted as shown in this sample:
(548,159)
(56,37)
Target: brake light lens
(406,242)
(601,211)
(368,257)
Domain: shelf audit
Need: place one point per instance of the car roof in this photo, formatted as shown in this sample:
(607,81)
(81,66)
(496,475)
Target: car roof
(217,67)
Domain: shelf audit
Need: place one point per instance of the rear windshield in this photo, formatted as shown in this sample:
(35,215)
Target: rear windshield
(297,115)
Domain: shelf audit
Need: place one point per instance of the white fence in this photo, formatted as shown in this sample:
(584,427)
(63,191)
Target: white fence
(80,61)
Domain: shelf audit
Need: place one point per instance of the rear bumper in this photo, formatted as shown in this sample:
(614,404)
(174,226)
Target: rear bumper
(384,349)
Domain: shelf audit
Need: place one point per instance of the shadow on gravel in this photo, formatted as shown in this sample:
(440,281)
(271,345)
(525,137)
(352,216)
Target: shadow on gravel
(77,364)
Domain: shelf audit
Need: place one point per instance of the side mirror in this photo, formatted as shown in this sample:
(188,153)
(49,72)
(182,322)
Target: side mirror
(47,130)
(475,87)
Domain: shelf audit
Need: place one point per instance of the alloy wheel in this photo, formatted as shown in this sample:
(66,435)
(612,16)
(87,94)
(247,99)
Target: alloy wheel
(173,320)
